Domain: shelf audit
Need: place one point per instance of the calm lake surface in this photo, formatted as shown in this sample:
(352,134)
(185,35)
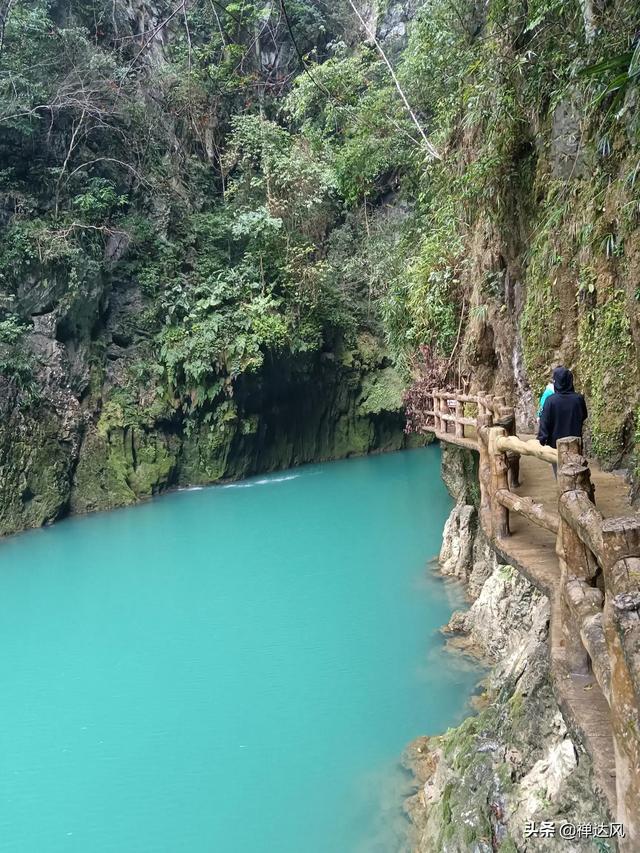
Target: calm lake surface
(235,669)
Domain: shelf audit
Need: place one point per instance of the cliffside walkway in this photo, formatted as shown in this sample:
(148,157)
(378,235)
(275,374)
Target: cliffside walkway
(578,540)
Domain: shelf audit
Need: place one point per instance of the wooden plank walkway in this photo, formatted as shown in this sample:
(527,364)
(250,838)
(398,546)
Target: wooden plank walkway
(531,549)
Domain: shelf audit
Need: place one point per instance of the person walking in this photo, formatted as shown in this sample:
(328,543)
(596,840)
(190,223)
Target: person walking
(564,412)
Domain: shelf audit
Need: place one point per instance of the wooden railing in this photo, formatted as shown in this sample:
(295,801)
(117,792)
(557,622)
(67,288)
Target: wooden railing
(598,584)
(448,407)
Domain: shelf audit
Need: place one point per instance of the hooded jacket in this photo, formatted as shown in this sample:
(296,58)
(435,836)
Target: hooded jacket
(564,412)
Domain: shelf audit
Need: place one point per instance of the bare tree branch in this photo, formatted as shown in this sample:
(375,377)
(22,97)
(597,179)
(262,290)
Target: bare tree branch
(188,33)
(431,149)
(109,160)
(72,145)
(215,15)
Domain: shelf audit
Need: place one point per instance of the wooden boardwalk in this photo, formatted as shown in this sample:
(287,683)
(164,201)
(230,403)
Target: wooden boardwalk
(533,551)
(586,559)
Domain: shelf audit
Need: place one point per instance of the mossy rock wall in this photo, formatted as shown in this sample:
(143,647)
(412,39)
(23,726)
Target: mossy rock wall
(36,467)
(292,412)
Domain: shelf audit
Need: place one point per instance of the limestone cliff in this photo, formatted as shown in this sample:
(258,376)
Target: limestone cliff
(197,207)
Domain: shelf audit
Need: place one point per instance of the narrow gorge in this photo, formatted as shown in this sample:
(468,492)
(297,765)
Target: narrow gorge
(241,238)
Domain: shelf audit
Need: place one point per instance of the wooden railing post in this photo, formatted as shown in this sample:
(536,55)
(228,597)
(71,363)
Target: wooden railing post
(459,414)
(499,480)
(499,402)
(484,420)
(573,475)
(513,458)
(436,410)
(488,402)
(485,416)
(513,461)
(481,407)
(443,411)
(505,416)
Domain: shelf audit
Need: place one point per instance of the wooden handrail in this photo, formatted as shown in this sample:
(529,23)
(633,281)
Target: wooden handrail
(458,420)
(532,447)
(527,507)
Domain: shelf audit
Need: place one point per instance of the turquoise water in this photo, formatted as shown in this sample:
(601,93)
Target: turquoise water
(229,670)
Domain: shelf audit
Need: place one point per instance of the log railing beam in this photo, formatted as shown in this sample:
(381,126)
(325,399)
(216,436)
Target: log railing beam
(526,507)
(527,448)
(581,516)
(570,548)
(585,603)
(455,419)
(620,539)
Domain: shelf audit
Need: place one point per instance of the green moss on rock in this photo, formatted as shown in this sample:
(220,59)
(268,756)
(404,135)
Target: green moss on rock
(608,370)
(35,470)
(541,322)
(205,450)
(353,435)
(155,458)
(121,465)
(100,480)
(381,392)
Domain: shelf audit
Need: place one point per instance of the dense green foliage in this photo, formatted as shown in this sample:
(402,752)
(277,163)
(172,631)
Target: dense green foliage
(253,171)
(153,160)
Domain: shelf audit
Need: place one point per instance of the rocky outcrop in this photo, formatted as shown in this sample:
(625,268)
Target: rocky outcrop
(456,553)
(515,761)
(393,20)
(465,553)
(505,622)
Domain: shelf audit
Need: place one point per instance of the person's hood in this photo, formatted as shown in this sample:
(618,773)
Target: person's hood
(562,380)
(549,387)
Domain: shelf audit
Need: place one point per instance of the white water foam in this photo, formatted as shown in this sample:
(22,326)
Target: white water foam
(265,482)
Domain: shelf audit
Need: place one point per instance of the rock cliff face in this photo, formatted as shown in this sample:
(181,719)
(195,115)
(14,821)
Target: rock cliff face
(565,298)
(154,247)
(515,760)
(101,442)
(159,334)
